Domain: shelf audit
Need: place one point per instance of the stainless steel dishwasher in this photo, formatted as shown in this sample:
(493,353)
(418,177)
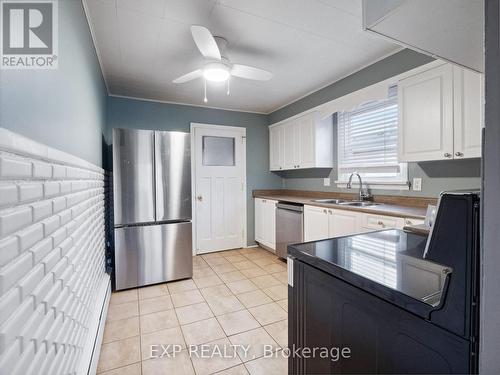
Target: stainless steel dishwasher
(289,226)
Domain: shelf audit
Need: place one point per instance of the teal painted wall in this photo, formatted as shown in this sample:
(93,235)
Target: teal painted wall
(140,114)
(437,176)
(63,108)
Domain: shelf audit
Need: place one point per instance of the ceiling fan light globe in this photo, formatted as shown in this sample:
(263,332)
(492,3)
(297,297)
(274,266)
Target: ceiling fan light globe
(216,72)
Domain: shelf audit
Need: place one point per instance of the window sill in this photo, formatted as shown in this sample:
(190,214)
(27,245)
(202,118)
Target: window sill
(377,185)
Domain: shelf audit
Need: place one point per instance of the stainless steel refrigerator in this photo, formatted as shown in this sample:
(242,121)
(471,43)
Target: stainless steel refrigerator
(152,207)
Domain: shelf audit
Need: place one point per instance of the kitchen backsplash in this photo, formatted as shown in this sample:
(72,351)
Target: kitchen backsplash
(436,177)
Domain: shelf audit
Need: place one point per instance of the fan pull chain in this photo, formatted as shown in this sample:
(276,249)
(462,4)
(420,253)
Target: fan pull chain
(229,79)
(205,98)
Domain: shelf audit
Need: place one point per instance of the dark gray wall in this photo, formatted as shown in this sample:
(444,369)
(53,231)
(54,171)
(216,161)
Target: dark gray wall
(436,176)
(139,114)
(389,67)
(63,108)
(490,292)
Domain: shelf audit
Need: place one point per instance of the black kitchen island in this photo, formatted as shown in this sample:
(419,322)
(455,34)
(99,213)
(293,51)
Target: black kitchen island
(388,301)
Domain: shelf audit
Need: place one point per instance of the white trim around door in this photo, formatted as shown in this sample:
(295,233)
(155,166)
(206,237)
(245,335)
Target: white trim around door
(239,133)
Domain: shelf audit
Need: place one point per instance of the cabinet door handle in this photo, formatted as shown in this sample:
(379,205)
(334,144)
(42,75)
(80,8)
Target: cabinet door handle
(324,211)
(459,154)
(330,212)
(447,155)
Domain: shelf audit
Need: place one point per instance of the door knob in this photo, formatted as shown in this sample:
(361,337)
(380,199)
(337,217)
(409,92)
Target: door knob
(447,155)
(459,154)
(199,197)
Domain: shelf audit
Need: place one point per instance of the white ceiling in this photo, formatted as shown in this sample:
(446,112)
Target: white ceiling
(144,44)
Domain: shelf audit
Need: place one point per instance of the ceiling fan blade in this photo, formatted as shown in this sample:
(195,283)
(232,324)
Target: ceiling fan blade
(189,76)
(249,72)
(205,42)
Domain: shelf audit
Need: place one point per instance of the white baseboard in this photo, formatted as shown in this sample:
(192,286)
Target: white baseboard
(92,350)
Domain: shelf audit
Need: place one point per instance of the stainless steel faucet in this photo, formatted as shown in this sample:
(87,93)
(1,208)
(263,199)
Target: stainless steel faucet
(362,194)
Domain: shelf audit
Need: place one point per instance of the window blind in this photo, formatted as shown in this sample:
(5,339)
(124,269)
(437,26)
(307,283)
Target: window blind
(368,141)
(368,135)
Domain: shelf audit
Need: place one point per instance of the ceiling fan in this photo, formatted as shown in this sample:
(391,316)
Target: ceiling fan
(217,67)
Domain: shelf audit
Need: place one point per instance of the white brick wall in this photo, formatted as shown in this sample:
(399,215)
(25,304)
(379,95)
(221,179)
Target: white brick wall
(51,256)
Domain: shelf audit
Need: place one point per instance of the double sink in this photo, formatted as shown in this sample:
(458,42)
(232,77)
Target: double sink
(343,202)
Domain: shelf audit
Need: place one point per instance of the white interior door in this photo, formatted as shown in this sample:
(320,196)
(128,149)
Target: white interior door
(219,191)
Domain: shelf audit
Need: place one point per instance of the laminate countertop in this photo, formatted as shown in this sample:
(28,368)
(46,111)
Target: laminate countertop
(397,206)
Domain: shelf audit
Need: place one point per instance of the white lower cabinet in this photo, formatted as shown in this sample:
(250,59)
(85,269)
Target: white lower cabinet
(412,221)
(315,223)
(321,223)
(265,222)
(344,223)
(379,222)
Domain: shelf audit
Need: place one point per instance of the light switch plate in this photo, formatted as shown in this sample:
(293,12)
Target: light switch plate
(417,184)
(326,182)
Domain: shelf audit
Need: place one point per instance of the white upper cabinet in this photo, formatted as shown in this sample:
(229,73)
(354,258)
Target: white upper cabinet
(440,115)
(468,113)
(306,142)
(425,104)
(303,142)
(277,150)
(291,145)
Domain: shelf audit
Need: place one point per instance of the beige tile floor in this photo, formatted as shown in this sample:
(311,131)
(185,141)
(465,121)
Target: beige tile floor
(236,297)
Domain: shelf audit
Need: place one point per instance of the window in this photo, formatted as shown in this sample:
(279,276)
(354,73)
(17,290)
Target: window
(368,144)
(218,151)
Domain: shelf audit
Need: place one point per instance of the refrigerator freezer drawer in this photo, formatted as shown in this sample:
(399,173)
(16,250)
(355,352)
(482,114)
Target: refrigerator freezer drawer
(152,254)
(133,176)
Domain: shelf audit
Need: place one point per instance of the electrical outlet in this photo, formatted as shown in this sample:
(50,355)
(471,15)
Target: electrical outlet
(326,182)
(417,184)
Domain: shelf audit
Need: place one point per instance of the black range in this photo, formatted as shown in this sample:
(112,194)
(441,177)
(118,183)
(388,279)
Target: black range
(402,302)
(388,264)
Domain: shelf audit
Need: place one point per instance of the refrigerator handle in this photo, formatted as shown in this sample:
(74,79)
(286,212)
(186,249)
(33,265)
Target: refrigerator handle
(154,177)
